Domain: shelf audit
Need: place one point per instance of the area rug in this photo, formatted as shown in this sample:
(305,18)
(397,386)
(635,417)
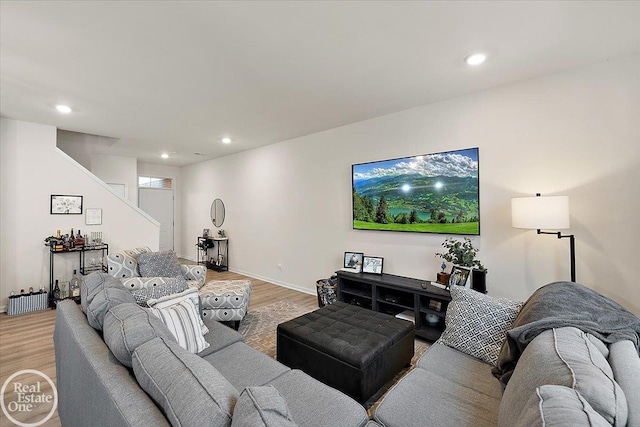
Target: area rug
(259,325)
(259,329)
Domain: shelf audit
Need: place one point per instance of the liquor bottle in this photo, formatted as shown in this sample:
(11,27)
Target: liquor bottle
(74,286)
(56,291)
(78,240)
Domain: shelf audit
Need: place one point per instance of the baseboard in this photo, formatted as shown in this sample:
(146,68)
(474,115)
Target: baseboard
(3,309)
(275,282)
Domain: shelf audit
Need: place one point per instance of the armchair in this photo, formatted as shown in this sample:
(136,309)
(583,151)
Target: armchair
(124,266)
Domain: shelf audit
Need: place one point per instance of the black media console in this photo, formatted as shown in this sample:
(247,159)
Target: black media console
(397,295)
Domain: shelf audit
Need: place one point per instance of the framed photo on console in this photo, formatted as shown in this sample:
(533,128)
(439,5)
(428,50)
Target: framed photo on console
(372,264)
(353,260)
(460,276)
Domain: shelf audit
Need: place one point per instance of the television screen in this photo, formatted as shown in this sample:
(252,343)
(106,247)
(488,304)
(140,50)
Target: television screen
(433,193)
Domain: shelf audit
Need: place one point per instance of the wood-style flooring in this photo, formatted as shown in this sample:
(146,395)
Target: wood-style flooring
(26,340)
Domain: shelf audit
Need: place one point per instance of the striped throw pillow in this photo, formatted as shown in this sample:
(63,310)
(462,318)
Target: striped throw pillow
(183,321)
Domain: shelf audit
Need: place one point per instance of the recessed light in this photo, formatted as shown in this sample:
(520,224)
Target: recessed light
(164,155)
(226,140)
(475,59)
(64,109)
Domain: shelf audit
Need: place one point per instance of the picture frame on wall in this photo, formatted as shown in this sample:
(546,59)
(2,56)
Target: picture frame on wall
(353,261)
(93,216)
(66,205)
(460,276)
(372,264)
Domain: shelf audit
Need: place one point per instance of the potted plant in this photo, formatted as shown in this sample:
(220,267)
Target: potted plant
(463,254)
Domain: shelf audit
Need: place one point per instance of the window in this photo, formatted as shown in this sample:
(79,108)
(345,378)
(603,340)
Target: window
(149,182)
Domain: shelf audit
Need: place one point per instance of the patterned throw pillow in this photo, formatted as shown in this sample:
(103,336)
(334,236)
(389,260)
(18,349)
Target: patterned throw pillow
(476,324)
(167,286)
(159,264)
(169,300)
(183,321)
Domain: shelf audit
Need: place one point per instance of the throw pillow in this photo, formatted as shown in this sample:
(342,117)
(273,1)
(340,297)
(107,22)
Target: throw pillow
(261,407)
(103,302)
(555,405)
(161,287)
(169,300)
(128,326)
(194,394)
(183,321)
(162,264)
(476,323)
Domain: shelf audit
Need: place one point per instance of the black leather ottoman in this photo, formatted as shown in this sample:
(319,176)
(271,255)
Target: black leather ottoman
(350,348)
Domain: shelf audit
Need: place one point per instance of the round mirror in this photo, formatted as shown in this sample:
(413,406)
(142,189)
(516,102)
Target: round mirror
(217,212)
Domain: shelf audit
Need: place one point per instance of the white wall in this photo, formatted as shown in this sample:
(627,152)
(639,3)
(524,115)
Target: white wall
(575,133)
(32,169)
(117,170)
(174,172)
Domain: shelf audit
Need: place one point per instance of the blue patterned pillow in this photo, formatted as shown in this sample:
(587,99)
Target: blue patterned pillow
(167,286)
(159,264)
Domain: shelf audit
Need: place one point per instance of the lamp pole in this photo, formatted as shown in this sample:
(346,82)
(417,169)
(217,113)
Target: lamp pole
(572,249)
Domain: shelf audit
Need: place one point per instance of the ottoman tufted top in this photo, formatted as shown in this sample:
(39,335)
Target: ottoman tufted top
(352,334)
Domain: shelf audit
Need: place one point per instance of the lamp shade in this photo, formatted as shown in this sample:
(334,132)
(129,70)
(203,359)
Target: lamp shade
(544,213)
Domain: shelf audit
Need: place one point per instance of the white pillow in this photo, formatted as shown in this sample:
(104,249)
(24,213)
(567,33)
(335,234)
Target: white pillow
(169,300)
(183,321)
(476,324)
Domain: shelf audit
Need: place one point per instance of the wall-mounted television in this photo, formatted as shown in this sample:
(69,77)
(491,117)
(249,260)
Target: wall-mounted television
(432,193)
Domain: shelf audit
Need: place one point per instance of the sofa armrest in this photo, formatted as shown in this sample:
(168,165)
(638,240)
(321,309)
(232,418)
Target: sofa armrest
(195,272)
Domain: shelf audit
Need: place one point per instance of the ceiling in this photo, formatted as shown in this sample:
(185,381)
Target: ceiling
(177,77)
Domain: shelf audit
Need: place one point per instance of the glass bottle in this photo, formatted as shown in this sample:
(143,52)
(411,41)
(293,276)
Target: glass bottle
(56,291)
(74,286)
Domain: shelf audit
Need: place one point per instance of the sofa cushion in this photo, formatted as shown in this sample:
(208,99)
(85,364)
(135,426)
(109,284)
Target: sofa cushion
(94,283)
(219,337)
(183,321)
(160,287)
(448,387)
(567,357)
(128,326)
(314,404)
(257,368)
(261,407)
(555,405)
(476,323)
(195,394)
(625,364)
(104,301)
(162,264)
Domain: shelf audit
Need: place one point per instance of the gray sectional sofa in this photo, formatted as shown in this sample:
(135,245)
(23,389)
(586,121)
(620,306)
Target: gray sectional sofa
(447,387)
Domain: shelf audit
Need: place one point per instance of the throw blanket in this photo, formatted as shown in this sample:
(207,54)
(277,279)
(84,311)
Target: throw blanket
(562,304)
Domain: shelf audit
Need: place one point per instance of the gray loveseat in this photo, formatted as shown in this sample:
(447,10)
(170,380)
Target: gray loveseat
(563,374)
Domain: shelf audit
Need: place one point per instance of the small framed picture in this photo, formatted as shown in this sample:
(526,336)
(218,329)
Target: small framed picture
(372,264)
(435,305)
(66,205)
(93,216)
(353,260)
(460,276)
(205,232)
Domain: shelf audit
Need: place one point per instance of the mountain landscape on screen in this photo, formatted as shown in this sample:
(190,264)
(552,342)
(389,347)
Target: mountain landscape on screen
(434,193)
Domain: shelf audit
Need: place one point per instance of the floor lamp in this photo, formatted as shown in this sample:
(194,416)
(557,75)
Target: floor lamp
(544,213)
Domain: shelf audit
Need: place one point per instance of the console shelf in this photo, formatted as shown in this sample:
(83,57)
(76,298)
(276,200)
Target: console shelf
(392,294)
